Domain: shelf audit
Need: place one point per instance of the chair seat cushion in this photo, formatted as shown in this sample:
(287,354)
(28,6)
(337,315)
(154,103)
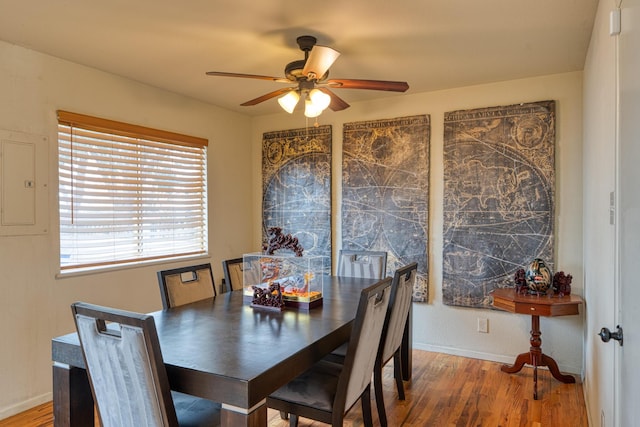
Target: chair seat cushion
(342,350)
(338,355)
(193,411)
(315,388)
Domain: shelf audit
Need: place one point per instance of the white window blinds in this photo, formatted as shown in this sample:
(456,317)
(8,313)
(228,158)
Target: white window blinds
(128,193)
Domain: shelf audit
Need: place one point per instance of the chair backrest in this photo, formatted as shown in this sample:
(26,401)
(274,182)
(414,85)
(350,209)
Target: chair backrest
(125,368)
(365,264)
(366,334)
(184,285)
(232,269)
(399,304)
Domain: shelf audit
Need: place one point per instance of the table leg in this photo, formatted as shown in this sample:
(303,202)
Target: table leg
(553,368)
(72,398)
(536,358)
(237,417)
(521,360)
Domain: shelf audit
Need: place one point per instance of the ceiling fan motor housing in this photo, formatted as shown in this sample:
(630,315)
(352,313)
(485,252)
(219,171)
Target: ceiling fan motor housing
(293,70)
(306,43)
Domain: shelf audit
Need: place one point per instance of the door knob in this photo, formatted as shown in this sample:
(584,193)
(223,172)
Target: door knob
(606,334)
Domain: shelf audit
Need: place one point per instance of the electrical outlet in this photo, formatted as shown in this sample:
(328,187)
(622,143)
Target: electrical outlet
(483,325)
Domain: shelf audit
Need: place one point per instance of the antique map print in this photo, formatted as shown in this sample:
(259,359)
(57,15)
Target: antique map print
(385,192)
(498,207)
(296,187)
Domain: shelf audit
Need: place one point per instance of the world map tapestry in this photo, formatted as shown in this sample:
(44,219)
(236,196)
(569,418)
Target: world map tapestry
(296,187)
(385,192)
(499,180)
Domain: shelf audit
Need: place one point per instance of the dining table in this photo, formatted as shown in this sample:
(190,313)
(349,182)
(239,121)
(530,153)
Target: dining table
(225,350)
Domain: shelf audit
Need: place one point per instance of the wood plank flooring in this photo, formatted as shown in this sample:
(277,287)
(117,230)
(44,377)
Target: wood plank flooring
(446,391)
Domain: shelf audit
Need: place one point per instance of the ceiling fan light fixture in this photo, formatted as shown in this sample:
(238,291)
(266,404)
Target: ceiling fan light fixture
(316,102)
(311,110)
(319,99)
(289,100)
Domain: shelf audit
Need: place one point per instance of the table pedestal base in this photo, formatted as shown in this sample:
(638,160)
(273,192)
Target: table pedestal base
(536,358)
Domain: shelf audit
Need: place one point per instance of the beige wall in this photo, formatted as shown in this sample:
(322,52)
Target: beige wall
(34,305)
(453,330)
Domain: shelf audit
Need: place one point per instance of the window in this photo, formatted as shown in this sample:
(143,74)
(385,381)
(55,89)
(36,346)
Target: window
(128,193)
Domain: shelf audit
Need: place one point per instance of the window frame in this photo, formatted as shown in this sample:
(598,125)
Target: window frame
(147,145)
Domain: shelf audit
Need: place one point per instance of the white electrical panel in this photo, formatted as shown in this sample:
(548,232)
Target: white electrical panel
(24,208)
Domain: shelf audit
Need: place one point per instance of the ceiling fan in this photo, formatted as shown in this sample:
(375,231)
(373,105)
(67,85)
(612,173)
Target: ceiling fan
(312,84)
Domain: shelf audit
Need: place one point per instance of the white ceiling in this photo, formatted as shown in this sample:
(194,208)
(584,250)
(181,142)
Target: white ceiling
(431,44)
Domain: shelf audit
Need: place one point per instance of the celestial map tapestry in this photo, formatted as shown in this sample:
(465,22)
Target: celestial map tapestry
(499,187)
(296,187)
(385,192)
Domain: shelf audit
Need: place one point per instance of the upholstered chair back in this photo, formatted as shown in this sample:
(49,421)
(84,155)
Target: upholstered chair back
(184,285)
(363,346)
(365,264)
(233,273)
(398,309)
(125,368)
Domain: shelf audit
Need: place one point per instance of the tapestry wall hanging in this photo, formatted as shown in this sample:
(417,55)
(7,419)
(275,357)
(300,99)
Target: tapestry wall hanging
(385,192)
(499,179)
(296,187)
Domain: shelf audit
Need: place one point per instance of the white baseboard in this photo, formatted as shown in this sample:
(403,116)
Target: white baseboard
(24,405)
(500,358)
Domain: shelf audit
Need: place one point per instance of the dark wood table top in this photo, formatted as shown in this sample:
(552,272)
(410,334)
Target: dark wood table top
(226,351)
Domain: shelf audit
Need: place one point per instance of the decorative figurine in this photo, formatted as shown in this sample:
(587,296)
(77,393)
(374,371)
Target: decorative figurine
(562,283)
(270,298)
(277,240)
(538,277)
(520,281)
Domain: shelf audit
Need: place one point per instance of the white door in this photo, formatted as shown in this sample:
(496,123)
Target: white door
(628,372)
(599,179)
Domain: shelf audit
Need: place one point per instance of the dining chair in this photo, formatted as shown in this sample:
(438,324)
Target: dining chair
(328,390)
(392,333)
(232,269)
(127,375)
(184,285)
(365,264)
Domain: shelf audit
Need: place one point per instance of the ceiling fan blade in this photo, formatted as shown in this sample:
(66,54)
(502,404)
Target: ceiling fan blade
(319,60)
(337,103)
(368,84)
(267,96)
(248,76)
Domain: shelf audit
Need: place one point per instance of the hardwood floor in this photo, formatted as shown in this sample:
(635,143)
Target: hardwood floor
(445,391)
